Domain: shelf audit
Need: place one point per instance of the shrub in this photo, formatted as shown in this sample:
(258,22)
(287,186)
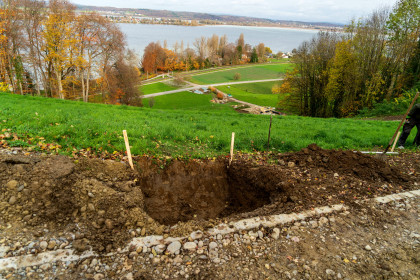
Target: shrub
(237,76)
(151,102)
(178,80)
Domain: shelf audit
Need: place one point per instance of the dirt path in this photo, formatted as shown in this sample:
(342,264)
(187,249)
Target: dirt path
(65,218)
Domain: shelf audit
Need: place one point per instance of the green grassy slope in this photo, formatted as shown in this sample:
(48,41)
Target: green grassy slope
(255,93)
(176,132)
(256,72)
(185,101)
(156,87)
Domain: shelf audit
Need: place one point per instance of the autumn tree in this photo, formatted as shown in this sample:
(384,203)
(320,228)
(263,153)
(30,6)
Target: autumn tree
(213,50)
(254,56)
(60,41)
(341,91)
(33,18)
(310,76)
(113,48)
(404,33)
(201,46)
(261,52)
(94,33)
(152,57)
(124,81)
(12,45)
(240,46)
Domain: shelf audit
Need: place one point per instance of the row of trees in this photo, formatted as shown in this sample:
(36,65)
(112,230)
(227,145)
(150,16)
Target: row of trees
(376,59)
(207,52)
(47,49)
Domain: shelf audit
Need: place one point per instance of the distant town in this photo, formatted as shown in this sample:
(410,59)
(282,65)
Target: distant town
(147,16)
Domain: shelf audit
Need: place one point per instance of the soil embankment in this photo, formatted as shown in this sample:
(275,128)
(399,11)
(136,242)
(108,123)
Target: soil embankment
(101,205)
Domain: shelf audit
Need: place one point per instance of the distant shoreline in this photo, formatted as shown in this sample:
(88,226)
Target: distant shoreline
(241,25)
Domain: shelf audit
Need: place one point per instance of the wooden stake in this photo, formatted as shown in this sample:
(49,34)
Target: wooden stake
(401,123)
(269,132)
(232,143)
(395,141)
(127,147)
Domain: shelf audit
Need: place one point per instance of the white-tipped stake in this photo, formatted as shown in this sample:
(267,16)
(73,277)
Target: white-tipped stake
(232,143)
(127,147)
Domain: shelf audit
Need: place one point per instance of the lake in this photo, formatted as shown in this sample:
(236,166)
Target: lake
(278,39)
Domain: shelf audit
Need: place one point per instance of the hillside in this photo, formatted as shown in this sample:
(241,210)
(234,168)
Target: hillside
(206,17)
(69,126)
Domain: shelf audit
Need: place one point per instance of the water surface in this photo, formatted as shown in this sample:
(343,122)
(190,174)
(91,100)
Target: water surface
(278,39)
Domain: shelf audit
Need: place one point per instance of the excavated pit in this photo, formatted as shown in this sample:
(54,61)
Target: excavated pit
(200,190)
(104,202)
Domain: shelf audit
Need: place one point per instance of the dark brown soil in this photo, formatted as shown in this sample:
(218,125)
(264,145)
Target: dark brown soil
(100,202)
(203,190)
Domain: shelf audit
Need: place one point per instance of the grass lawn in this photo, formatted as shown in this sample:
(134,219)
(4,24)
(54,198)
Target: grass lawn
(277,60)
(191,133)
(255,93)
(156,87)
(185,101)
(256,72)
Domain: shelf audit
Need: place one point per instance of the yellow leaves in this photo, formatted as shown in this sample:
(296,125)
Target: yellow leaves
(4,87)
(276,89)
(346,260)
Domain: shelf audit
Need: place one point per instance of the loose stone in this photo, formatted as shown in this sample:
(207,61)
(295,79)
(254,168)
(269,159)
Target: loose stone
(43,245)
(11,185)
(196,235)
(276,233)
(212,245)
(190,246)
(51,244)
(12,200)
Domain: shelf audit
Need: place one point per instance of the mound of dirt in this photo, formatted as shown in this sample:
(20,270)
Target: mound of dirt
(97,199)
(351,163)
(101,204)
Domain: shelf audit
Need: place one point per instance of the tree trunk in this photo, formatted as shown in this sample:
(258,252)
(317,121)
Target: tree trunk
(60,85)
(38,91)
(391,86)
(20,87)
(82,79)
(87,86)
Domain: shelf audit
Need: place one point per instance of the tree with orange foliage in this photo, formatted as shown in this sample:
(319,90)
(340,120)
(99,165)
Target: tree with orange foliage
(124,80)
(152,57)
(60,40)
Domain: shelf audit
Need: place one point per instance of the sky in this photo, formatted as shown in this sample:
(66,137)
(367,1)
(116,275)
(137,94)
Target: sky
(334,11)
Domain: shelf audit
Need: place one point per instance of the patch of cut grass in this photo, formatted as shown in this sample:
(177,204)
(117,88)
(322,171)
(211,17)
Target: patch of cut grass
(156,87)
(185,101)
(255,93)
(256,72)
